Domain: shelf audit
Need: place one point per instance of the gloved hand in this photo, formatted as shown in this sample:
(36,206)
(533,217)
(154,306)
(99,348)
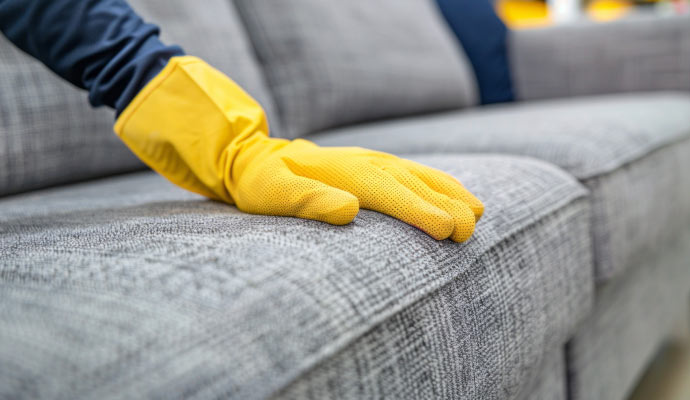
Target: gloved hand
(200,130)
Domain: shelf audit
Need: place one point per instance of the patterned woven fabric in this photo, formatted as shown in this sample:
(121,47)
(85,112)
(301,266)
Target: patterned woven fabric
(623,147)
(130,287)
(632,318)
(633,54)
(48,133)
(551,383)
(331,63)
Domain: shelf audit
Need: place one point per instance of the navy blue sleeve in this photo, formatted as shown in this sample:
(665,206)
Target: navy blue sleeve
(483,36)
(102,46)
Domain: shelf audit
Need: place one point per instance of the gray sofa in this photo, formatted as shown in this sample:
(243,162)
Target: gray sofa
(116,284)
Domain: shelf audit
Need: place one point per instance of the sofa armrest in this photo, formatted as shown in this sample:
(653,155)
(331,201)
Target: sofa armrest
(641,53)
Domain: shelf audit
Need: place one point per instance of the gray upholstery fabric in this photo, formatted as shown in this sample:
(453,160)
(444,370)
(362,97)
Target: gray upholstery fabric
(332,63)
(130,287)
(49,134)
(551,382)
(632,151)
(632,317)
(634,54)
(641,205)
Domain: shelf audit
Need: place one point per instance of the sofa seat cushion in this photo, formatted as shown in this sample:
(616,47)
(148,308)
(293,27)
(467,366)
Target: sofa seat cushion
(631,151)
(632,319)
(131,287)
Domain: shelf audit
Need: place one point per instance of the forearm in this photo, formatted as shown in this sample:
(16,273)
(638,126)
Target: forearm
(639,54)
(102,46)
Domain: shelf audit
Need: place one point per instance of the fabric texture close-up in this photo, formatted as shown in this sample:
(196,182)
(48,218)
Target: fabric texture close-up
(333,207)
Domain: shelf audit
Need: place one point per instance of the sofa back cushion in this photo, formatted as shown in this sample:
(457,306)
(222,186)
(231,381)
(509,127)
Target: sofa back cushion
(333,63)
(49,134)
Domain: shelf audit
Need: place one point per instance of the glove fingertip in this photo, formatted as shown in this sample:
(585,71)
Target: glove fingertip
(333,206)
(463,231)
(344,213)
(477,209)
(438,224)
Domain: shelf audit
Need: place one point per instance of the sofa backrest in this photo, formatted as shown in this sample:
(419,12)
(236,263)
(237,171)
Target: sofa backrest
(48,132)
(50,135)
(331,63)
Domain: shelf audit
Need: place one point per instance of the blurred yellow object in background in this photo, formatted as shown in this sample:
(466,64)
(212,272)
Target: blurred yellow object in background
(523,13)
(517,14)
(608,10)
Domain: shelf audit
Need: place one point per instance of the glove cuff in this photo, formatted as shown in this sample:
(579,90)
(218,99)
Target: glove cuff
(189,123)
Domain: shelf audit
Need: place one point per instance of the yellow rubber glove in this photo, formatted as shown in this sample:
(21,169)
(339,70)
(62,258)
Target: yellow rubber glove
(200,130)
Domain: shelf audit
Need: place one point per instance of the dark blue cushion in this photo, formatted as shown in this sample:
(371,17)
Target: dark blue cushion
(483,36)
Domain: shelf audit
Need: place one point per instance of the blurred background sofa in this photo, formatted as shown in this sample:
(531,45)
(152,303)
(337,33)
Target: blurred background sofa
(116,284)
